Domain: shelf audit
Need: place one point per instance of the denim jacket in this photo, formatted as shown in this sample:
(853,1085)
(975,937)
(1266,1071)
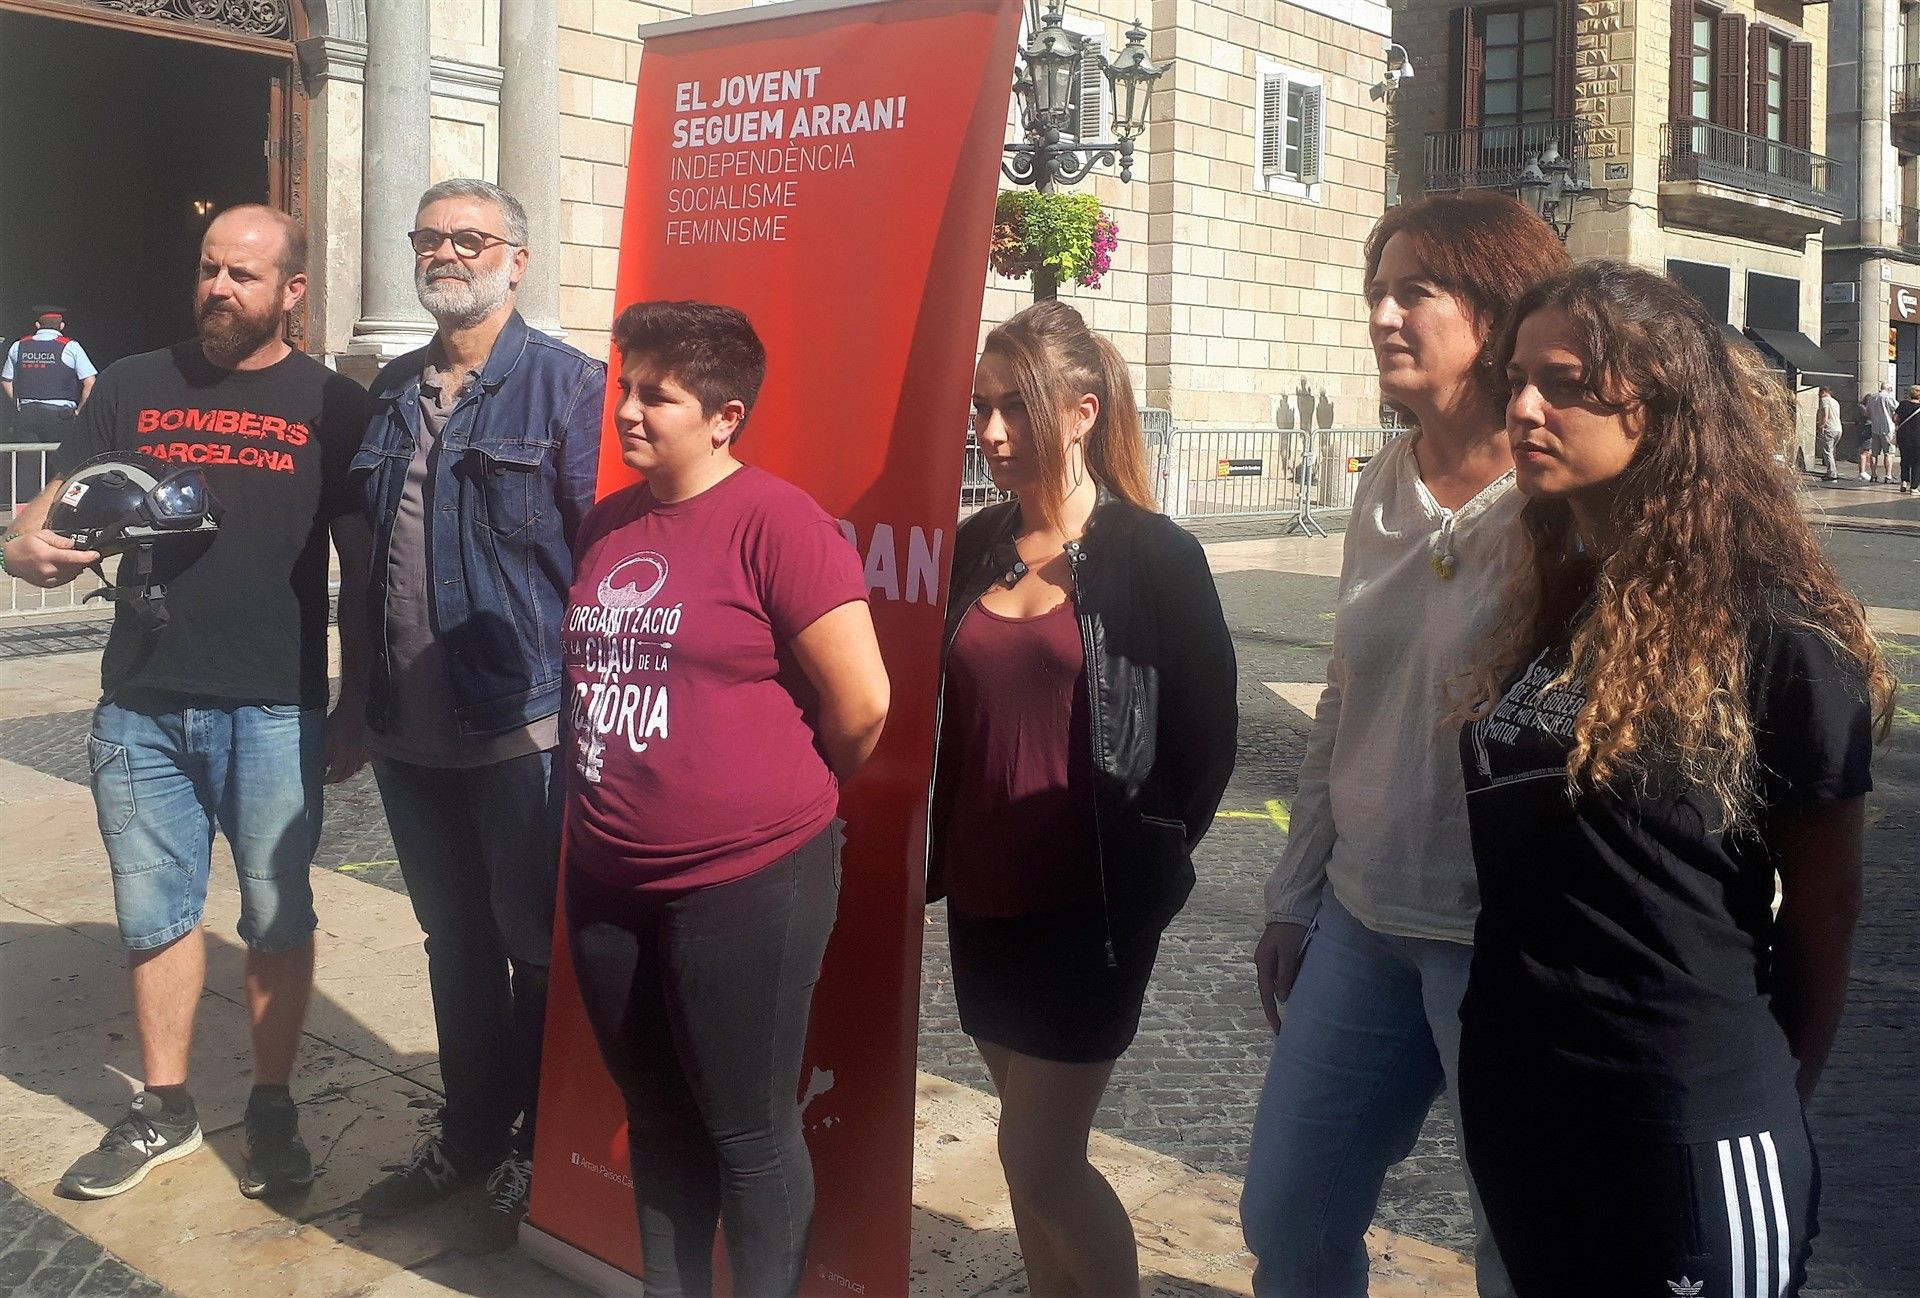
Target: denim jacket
(513,476)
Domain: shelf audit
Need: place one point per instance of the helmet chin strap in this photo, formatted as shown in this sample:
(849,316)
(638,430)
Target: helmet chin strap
(146,600)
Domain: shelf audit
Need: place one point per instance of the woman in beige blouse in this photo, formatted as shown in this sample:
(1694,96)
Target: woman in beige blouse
(1370,911)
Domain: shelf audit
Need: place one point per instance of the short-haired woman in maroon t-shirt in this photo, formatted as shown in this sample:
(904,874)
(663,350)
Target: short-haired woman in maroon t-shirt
(1088,720)
(699,899)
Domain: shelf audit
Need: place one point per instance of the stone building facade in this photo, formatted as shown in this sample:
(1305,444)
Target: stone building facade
(1698,127)
(1235,296)
(1235,293)
(1871,313)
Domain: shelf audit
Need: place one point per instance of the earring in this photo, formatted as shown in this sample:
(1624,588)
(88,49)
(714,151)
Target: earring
(1078,466)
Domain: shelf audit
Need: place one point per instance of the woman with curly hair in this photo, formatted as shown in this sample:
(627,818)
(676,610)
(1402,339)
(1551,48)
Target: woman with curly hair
(1679,704)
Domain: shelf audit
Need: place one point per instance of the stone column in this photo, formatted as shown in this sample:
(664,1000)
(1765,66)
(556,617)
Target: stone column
(1877,234)
(530,146)
(394,163)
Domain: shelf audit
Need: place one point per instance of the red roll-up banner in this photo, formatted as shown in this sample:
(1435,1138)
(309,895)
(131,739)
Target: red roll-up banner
(830,169)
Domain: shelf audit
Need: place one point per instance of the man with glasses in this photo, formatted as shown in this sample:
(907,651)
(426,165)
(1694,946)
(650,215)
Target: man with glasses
(215,716)
(477,469)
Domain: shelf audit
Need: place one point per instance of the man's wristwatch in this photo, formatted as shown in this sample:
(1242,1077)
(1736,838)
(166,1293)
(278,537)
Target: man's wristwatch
(4,542)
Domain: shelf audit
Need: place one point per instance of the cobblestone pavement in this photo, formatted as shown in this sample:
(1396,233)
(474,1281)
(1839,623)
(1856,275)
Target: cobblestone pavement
(65,636)
(43,1257)
(1189,1086)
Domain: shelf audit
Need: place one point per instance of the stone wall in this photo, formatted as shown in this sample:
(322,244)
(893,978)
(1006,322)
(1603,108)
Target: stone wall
(1254,296)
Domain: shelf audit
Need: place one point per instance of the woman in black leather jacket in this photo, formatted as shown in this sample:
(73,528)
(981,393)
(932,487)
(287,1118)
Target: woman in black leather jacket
(1087,731)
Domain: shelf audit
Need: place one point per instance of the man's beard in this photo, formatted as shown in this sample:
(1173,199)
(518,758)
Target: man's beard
(459,296)
(227,333)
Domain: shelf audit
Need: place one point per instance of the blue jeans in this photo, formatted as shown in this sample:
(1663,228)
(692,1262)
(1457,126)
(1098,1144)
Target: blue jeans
(1370,1037)
(479,848)
(165,772)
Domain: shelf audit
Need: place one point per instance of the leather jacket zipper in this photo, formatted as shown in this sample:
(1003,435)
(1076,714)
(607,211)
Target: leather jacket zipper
(1075,557)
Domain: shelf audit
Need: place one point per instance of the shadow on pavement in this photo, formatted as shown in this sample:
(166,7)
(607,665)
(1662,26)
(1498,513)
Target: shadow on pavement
(69,1055)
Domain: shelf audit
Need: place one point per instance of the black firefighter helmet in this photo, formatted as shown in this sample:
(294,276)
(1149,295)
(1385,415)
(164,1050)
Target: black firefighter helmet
(127,502)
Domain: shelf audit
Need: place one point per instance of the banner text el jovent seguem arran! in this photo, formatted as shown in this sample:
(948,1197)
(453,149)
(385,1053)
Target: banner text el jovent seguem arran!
(832,173)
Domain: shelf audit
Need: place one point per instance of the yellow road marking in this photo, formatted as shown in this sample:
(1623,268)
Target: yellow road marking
(1278,814)
(354,867)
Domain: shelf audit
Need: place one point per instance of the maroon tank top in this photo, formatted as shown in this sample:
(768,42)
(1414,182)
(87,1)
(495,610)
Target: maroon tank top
(1015,736)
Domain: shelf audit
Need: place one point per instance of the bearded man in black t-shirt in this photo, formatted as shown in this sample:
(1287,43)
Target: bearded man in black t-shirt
(216,714)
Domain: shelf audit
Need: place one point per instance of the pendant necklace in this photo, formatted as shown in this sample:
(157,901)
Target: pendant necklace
(1440,555)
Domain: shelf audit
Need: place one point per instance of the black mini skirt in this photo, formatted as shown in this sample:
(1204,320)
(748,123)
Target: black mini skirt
(1040,984)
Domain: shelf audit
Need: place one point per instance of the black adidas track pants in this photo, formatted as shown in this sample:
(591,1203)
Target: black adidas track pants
(1595,1214)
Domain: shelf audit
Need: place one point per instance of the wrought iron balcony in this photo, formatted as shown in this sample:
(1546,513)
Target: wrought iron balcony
(1903,81)
(1703,151)
(1492,157)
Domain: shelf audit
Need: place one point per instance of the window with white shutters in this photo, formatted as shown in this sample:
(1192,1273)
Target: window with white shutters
(1088,121)
(1290,132)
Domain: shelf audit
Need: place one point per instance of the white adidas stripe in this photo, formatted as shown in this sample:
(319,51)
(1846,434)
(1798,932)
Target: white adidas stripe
(1779,1212)
(1736,1234)
(1757,1208)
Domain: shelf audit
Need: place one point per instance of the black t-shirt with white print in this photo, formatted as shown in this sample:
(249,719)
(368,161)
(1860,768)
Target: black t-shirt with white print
(1622,967)
(246,614)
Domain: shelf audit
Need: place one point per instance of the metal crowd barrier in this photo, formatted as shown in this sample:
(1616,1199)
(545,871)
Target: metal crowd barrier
(976,484)
(1220,473)
(24,468)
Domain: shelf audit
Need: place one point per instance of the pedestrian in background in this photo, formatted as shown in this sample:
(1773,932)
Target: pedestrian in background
(1906,431)
(1088,724)
(1370,910)
(704,856)
(1678,706)
(499,426)
(48,376)
(1827,430)
(1876,450)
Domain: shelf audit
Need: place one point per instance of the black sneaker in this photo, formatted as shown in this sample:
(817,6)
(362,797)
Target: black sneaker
(428,1176)
(132,1147)
(508,1188)
(277,1159)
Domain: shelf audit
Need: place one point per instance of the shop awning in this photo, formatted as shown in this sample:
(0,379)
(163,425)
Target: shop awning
(1737,339)
(1803,359)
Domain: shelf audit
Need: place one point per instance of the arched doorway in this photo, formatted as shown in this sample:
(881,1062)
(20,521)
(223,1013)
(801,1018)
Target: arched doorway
(124,124)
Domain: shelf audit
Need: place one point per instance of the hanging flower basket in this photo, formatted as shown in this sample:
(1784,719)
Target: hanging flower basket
(1066,233)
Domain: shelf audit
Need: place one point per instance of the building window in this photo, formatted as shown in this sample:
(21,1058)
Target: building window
(1701,64)
(1773,302)
(1512,65)
(1290,132)
(1774,125)
(1518,76)
(1713,285)
(1086,117)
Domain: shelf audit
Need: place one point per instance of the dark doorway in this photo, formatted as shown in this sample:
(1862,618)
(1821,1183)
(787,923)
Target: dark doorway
(115,147)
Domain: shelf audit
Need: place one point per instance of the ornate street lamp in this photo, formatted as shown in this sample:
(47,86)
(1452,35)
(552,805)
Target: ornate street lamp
(1050,64)
(1548,184)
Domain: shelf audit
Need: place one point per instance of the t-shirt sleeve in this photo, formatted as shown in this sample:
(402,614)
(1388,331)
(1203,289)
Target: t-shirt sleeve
(345,410)
(804,566)
(1813,725)
(93,429)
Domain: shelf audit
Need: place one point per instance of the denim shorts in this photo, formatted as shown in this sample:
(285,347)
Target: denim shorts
(163,780)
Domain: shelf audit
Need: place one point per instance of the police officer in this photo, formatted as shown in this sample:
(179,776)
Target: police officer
(48,376)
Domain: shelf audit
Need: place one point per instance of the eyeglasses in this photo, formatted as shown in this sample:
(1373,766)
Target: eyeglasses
(467,244)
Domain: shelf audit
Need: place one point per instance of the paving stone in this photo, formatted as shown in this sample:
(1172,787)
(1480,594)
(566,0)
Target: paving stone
(42,1257)
(1190,1085)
